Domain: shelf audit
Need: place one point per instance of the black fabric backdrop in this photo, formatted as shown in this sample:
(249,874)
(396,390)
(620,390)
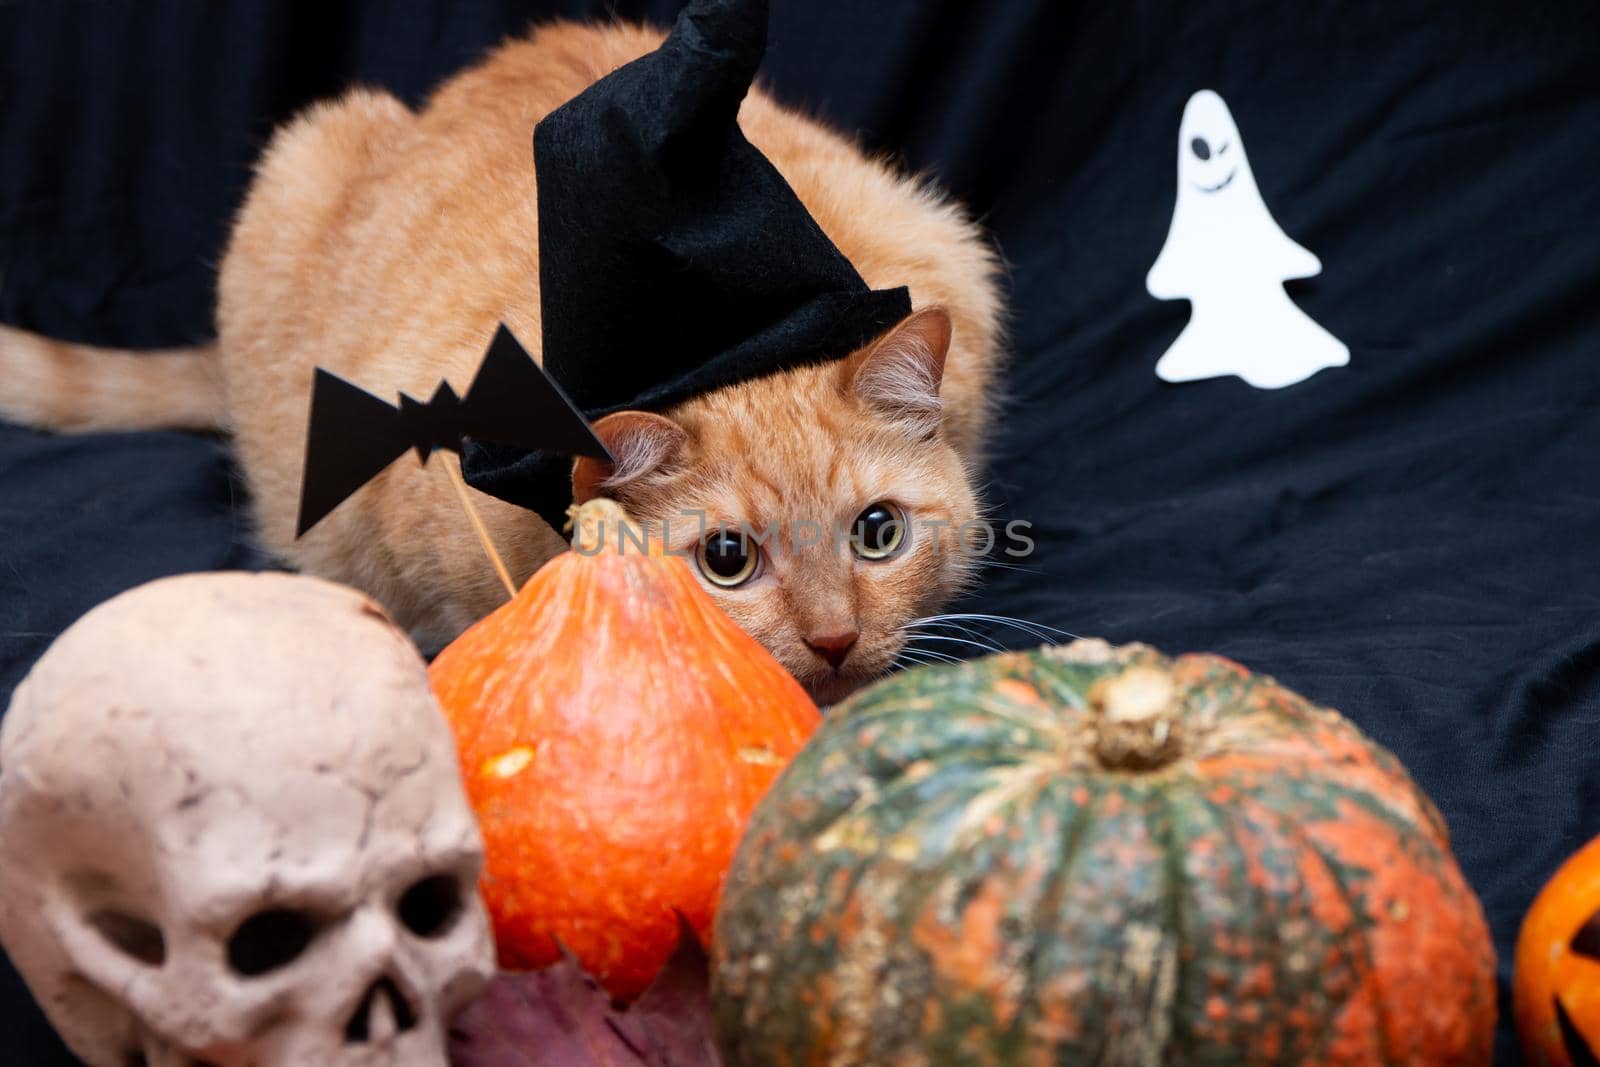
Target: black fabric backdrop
(1410,539)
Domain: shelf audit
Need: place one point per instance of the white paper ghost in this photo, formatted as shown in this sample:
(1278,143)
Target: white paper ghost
(1226,255)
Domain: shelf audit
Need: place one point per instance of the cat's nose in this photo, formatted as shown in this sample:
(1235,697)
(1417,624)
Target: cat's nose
(833,647)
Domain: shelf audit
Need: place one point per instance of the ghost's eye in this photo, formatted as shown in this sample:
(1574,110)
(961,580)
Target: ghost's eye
(727,558)
(879,531)
(1199,147)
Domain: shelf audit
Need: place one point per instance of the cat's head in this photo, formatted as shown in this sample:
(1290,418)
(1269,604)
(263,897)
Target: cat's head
(821,507)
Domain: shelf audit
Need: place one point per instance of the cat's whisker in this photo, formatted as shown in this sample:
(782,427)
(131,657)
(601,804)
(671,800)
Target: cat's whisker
(1003,620)
(981,645)
(1038,630)
(912,664)
(1002,565)
(979,641)
(973,633)
(985,640)
(928,655)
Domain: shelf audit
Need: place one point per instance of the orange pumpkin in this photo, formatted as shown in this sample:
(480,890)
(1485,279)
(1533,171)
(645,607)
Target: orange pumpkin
(614,728)
(1556,990)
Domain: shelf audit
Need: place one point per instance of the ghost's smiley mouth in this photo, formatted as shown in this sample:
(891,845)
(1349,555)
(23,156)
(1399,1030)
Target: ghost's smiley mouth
(1223,184)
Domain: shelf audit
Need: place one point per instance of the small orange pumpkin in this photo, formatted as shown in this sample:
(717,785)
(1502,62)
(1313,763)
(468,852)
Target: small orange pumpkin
(615,728)
(1556,990)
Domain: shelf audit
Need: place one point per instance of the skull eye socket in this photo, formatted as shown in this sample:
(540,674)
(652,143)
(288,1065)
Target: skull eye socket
(131,935)
(269,940)
(430,907)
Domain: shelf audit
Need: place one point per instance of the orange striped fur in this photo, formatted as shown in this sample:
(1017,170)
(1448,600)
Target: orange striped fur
(385,245)
(80,388)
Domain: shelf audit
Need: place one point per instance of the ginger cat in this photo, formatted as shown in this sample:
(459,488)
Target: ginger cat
(386,245)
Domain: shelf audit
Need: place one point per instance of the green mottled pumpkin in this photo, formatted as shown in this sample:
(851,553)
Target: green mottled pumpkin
(1088,855)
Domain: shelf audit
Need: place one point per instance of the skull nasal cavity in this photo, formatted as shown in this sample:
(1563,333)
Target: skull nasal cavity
(134,936)
(269,940)
(359,1029)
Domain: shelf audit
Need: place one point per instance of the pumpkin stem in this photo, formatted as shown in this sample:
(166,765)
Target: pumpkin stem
(601,522)
(1138,723)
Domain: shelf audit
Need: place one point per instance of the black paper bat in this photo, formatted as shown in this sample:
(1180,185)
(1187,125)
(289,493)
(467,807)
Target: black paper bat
(355,435)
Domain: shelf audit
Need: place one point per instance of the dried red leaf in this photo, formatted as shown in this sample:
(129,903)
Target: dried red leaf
(560,1017)
(674,1014)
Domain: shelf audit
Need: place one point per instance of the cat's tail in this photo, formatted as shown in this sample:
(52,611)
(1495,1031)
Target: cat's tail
(75,388)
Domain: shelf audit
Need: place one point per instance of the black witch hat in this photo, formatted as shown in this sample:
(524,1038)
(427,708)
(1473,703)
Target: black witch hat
(673,257)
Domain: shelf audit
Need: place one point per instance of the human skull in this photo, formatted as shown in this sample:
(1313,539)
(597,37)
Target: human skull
(232,832)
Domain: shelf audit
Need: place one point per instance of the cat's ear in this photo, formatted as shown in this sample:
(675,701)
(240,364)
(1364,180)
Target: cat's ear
(900,375)
(642,443)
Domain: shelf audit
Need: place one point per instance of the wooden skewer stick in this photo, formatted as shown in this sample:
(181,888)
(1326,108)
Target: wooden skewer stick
(477,524)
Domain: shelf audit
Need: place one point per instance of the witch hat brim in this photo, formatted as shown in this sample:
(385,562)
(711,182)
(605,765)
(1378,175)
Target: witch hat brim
(673,257)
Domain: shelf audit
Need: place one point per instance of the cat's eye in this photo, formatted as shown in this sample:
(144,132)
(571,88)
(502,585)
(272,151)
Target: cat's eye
(727,558)
(879,531)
